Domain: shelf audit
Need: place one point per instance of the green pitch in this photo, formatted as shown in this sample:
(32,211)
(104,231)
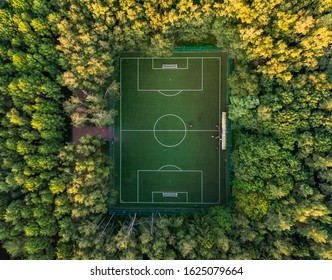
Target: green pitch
(168,144)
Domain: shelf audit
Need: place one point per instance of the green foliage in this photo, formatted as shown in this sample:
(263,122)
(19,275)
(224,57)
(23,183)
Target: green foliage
(266,159)
(222,216)
(54,196)
(279,171)
(30,112)
(160,46)
(252,204)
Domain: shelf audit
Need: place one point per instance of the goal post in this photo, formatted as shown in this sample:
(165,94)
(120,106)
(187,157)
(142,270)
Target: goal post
(169,66)
(170,197)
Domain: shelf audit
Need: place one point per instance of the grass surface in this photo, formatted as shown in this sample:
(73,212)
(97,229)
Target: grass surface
(165,156)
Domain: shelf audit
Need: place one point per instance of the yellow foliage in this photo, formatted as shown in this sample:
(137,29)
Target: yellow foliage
(314,46)
(154,17)
(263,47)
(218,9)
(80,69)
(319,40)
(110,19)
(131,14)
(320,82)
(67,43)
(38,25)
(250,34)
(284,225)
(85,38)
(120,15)
(75,13)
(58,201)
(27,172)
(36,124)
(14,117)
(100,28)
(95,66)
(139,28)
(183,6)
(127,3)
(263,19)
(328,105)
(90,50)
(17,60)
(264,113)
(305,212)
(263,10)
(69,79)
(172,17)
(304,24)
(244,13)
(294,52)
(318,236)
(73,189)
(23,27)
(277,67)
(308,142)
(286,20)
(206,8)
(30,186)
(78,198)
(257,12)
(21,148)
(165,3)
(97,9)
(324,5)
(53,18)
(30,231)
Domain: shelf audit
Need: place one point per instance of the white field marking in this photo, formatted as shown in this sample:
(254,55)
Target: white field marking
(176,171)
(202,186)
(137,74)
(170,95)
(170,90)
(137,185)
(150,58)
(146,90)
(165,170)
(184,136)
(169,130)
(160,192)
(121,129)
(202,73)
(169,165)
(192,202)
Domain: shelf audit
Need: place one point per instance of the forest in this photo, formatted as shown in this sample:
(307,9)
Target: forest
(54,193)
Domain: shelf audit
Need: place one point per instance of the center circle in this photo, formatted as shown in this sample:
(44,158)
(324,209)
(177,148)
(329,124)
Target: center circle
(170,130)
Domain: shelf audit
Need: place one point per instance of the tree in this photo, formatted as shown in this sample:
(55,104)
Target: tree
(63,54)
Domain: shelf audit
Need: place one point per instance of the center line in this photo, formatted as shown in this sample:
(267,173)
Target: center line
(168,130)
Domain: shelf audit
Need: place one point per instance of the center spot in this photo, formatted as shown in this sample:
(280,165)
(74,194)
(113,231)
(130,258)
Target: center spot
(170,130)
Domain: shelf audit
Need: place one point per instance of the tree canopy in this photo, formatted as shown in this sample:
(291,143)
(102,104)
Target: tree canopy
(58,67)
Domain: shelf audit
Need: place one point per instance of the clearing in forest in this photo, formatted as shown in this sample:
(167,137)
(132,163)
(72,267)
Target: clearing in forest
(170,143)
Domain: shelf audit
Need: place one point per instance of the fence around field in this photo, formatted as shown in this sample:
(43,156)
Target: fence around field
(168,194)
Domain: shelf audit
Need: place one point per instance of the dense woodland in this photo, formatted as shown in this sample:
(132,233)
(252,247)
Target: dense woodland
(54,194)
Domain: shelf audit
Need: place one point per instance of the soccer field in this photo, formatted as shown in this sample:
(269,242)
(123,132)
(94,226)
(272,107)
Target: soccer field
(170,143)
